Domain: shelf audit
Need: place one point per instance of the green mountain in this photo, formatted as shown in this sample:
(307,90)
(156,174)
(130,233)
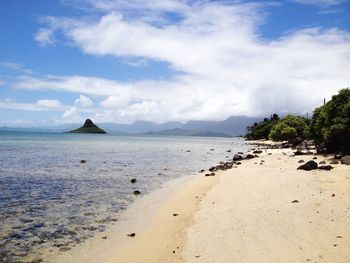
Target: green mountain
(88,127)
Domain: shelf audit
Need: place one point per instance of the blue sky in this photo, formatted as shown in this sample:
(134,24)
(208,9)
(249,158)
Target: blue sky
(121,61)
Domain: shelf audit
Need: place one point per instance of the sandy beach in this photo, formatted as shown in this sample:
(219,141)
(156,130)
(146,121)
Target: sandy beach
(265,210)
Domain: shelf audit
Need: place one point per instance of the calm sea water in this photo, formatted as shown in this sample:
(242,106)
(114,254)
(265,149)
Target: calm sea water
(49,199)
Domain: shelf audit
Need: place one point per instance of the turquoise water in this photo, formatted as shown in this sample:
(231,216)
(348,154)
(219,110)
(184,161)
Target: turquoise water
(49,199)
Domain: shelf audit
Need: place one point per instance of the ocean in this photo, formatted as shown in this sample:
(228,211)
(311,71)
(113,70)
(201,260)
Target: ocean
(49,199)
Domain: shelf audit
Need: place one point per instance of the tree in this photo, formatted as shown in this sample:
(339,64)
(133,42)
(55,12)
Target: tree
(291,128)
(262,129)
(330,125)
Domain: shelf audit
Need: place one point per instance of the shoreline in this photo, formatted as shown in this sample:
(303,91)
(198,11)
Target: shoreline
(139,217)
(200,218)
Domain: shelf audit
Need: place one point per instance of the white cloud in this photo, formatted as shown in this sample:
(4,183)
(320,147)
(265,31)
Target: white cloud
(84,101)
(44,36)
(15,66)
(71,115)
(51,104)
(116,101)
(323,3)
(13,105)
(223,67)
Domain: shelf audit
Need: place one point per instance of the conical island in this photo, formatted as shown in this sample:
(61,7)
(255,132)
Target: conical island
(88,127)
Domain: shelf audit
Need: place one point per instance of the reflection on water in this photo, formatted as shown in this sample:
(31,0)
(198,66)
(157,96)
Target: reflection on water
(49,199)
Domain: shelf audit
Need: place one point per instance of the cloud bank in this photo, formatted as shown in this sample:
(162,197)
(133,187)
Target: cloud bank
(222,64)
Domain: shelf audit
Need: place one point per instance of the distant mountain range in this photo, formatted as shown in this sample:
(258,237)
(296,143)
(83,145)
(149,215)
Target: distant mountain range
(232,126)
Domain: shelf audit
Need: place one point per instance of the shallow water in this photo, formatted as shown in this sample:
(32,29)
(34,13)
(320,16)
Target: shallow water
(49,199)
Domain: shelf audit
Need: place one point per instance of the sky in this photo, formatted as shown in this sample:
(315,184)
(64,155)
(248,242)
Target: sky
(62,61)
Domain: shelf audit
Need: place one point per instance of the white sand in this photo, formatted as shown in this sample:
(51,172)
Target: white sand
(249,216)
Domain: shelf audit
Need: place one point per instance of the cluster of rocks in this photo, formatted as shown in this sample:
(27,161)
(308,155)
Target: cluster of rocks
(312,165)
(236,160)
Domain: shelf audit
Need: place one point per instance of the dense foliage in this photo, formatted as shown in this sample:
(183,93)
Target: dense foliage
(291,128)
(330,125)
(262,129)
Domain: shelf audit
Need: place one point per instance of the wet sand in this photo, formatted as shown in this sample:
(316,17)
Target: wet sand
(263,211)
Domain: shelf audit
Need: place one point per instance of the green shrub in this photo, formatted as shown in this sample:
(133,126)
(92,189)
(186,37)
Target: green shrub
(290,128)
(262,129)
(330,125)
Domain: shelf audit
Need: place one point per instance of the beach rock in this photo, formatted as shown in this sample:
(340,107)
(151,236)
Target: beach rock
(237,157)
(323,162)
(295,201)
(202,171)
(257,151)
(133,181)
(269,154)
(301,161)
(238,163)
(82,161)
(334,162)
(240,152)
(131,235)
(325,167)
(212,169)
(310,165)
(137,192)
(249,156)
(301,148)
(345,160)
(314,158)
(175,214)
(211,174)
(337,157)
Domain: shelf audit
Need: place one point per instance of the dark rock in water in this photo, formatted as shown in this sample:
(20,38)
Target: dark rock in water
(137,192)
(211,174)
(237,157)
(301,161)
(39,225)
(310,165)
(212,169)
(82,161)
(88,127)
(345,160)
(238,163)
(257,151)
(228,151)
(323,162)
(133,180)
(337,157)
(240,152)
(131,235)
(202,171)
(188,151)
(325,167)
(334,162)
(37,260)
(26,220)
